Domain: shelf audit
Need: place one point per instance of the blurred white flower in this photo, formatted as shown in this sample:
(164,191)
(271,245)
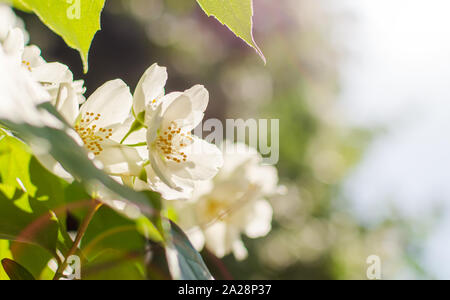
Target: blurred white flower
(55,77)
(8,21)
(20,94)
(14,43)
(232,204)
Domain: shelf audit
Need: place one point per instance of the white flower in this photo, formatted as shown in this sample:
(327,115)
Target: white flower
(55,77)
(149,90)
(97,122)
(177,157)
(232,204)
(147,95)
(14,43)
(98,126)
(20,95)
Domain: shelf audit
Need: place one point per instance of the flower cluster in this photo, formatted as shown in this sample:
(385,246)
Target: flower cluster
(144,140)
(232,204)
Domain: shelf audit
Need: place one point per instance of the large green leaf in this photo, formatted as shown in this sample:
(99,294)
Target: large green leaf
(236,15)
(21,171)
(185,263)
(22,216)
(109,230)
(38,227)
(76,21)
(115,265)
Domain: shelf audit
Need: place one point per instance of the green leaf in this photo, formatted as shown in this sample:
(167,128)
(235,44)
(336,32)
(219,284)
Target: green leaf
(14,161)
(115,265)
(109,230)
(22,217)
(185,263)
(236,15)
(38,227)
(16,271)
(76,21)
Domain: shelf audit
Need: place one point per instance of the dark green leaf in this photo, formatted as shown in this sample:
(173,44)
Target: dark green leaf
(16,271)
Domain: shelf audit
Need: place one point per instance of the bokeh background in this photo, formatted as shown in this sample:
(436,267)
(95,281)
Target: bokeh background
(361,90)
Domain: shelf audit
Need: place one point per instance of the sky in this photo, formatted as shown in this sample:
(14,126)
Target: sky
(395,78)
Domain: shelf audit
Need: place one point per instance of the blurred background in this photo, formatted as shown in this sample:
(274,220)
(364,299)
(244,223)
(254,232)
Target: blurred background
(360,88)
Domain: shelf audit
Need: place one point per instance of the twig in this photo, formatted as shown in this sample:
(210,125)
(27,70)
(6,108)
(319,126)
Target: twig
(81,231)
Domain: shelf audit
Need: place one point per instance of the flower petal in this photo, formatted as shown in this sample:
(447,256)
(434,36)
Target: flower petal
(118,159)
(266,177)
(239,250)
(150,87)
(199,96)
(179,110)
(216,239)
(68,105)
(14,44)
(261,218)
(52,73)
(196,237)
(168,193)
(112,100)
(204,161)
(32,55)
(161,171)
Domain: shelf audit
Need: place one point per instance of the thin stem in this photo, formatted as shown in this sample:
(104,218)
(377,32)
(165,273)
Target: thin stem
(95,205)
(137,145)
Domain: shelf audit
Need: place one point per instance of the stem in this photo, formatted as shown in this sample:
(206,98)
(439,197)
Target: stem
(95,205)
(137,145)
(137,125)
